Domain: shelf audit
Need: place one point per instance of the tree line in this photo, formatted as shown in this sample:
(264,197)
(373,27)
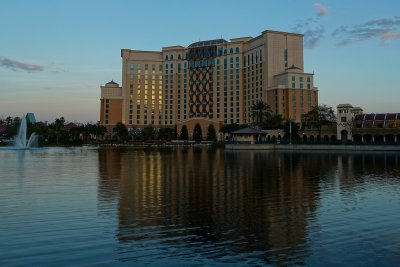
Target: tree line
(59,132)
(263,118)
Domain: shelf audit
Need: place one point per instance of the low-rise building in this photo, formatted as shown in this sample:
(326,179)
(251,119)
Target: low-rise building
(345,121)
(377,127)
(354,125)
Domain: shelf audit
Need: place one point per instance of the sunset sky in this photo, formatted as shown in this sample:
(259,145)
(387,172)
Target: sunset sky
(54,55)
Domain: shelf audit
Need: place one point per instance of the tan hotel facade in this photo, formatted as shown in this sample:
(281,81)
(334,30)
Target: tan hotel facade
(210,82)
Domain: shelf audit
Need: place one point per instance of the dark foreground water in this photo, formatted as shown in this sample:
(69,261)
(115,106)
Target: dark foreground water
(93,207)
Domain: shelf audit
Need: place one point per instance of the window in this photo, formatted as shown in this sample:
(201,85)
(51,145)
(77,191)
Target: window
(172,57)
(231,51)
(237,50)
(343,119)
(166,57)
(179,57)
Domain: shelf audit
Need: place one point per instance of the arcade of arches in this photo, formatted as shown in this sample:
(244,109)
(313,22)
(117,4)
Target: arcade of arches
(325,136)
(203,123)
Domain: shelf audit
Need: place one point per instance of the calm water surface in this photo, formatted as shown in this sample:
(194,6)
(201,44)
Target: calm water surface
(63,207)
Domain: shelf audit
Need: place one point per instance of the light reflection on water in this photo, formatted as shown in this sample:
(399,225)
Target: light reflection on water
(199,207)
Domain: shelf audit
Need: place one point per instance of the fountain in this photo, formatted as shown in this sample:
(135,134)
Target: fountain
(20,141)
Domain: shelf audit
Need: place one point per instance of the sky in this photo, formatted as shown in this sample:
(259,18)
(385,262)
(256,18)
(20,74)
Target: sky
(54,55)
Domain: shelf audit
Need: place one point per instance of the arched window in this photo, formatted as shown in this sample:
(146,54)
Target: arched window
(179,57)
(172,57)
(237,49)
(166,57)
(231,51)
(224,51)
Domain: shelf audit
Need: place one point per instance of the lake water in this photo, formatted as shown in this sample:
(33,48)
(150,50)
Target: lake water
(109,207)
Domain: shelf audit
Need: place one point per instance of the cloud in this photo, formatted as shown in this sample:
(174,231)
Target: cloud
(383,29)
(312,37)
(388,36)
(322,10)
(312,28)
(17,65)
(313,32)
(55,68)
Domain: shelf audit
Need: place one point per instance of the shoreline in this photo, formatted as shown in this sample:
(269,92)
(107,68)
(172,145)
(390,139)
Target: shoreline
(303,147)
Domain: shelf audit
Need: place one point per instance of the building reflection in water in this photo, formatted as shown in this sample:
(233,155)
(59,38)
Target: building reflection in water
(230,206)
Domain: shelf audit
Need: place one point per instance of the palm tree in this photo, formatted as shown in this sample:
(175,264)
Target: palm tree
(259,112)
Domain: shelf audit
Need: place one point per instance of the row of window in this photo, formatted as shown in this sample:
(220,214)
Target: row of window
(221,52)
(253,58)
(300,79)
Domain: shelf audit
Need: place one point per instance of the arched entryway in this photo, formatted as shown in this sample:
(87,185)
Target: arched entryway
(368,138)
(357,138)
(343,135)
(197,133)
(389,138)
(326,138)
(378,138)
(311,138)
(305,138)
(333,138)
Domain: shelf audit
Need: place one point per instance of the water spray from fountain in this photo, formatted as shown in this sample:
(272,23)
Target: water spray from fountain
(21,141)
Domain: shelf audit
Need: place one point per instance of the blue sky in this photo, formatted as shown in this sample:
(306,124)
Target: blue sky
(55,54)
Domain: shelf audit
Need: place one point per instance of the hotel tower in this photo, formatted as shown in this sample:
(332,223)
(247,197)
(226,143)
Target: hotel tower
(210,82)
